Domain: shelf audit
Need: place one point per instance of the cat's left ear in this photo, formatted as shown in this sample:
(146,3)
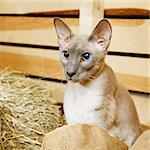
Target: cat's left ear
(64,33)
(102,34)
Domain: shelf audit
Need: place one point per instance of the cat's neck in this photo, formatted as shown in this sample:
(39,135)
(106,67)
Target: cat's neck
(104,81)
(95,74)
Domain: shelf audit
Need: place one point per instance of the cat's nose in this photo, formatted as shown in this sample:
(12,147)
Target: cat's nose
(71,74)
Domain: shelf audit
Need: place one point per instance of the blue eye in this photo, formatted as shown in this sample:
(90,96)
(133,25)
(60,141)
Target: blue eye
(86,56)
(65,54)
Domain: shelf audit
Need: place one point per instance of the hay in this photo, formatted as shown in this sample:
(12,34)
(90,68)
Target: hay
(26,112)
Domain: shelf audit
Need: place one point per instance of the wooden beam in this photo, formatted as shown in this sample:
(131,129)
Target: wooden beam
(31,23)
(127,65)
(40,31)
(33,65)
(127,13)
(53,48)
(51,68)
(29,6)
(91,12)
(139,83)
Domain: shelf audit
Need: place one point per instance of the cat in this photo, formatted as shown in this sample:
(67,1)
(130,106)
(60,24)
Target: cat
(93,94)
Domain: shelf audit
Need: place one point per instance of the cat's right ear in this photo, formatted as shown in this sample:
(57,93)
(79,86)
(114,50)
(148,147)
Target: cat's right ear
(64,33)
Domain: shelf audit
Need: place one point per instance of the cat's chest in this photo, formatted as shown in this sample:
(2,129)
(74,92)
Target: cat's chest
(80,96)
(80,104)
(89,105)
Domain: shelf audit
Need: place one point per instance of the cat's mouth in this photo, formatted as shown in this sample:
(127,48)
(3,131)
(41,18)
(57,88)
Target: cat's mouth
(73,79)
(76,78)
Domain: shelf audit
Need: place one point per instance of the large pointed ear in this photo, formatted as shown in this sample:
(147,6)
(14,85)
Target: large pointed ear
(102,34)
(64,33)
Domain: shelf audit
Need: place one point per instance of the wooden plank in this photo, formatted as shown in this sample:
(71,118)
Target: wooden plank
(20,29)
(27,6)
(129,65)
(15,6)
(71,13)
(142,104)
(143,4)
(47,65)
(126,13)
(30,23)
(33,65)
(48,47)
(138,82)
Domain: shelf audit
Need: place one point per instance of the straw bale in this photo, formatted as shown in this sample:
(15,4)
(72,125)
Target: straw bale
(26,112)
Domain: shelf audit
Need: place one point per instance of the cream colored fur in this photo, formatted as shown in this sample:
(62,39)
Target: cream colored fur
(93,94)
(105,103)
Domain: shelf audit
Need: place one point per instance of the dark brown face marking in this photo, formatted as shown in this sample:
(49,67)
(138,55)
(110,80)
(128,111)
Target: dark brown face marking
(82,56)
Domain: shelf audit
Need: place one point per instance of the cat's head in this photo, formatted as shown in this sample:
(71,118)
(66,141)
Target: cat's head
(82,56)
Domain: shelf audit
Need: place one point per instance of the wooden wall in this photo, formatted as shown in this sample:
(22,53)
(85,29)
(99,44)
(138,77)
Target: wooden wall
(28,40)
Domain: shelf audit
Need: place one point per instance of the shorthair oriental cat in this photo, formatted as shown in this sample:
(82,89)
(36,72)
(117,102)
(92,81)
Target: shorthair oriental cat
(93,94)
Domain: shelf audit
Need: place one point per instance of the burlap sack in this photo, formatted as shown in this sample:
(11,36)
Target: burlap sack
(81,137)
(143,142)
(144,127)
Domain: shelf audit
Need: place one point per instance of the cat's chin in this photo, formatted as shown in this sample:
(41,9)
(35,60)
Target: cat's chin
(73,80)
(77,80)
